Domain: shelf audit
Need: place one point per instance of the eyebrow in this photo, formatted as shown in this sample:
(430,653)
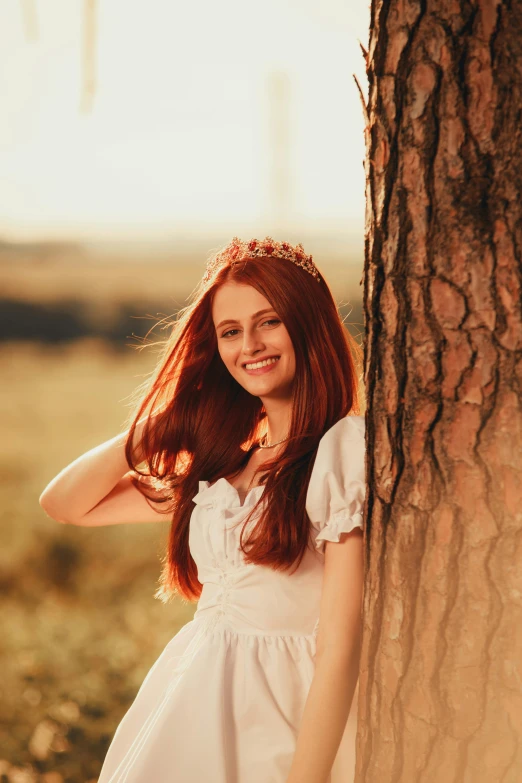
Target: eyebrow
(255,315)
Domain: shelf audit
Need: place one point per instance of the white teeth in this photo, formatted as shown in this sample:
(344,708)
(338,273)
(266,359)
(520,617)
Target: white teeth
(261,364)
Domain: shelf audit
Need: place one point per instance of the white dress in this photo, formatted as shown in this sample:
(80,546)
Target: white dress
(223,702)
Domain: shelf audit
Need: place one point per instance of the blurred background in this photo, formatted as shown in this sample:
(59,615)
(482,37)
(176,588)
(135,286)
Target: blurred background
(135,139)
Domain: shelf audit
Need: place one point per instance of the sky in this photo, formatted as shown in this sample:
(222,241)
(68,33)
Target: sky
(205,115)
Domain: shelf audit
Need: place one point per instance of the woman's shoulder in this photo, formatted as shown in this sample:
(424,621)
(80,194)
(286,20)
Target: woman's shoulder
(349,427)
(340,451)
(336,489)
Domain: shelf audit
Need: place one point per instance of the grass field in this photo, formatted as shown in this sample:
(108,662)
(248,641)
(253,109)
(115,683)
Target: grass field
(80,625)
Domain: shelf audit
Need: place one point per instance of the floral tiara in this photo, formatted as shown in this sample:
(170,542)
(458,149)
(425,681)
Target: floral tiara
(237,251)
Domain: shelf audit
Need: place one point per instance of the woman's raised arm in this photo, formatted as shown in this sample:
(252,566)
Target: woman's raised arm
(96,489)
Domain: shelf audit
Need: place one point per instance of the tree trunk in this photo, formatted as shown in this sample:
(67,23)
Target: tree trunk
(441,669)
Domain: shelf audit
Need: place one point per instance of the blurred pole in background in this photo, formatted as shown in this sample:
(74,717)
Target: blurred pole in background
(30,19)
(280,144)
(89,55)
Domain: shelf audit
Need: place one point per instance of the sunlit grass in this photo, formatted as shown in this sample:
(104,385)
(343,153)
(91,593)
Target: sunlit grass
(80,625)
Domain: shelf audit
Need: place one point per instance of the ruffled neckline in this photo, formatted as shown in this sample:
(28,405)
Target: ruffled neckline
(222,493)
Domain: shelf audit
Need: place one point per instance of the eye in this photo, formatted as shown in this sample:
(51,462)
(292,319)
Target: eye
(232,332)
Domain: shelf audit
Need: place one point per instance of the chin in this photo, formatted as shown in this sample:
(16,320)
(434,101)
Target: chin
(279,390)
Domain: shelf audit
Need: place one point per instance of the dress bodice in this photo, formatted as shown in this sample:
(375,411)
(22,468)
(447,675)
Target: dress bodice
(250,597)
(259,599)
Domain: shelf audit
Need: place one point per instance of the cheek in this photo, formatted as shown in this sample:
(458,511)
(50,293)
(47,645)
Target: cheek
(228,357)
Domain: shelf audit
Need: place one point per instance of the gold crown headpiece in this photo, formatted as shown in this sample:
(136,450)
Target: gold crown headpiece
(237,251)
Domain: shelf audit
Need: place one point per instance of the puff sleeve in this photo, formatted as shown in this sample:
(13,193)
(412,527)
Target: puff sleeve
(335,496)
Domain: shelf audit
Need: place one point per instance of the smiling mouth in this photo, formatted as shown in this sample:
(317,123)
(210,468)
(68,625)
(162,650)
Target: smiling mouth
(262,363)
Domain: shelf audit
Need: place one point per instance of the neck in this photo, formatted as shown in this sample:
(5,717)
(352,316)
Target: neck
(278,416)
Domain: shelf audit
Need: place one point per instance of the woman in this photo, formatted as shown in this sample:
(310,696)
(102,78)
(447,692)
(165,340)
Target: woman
(250,438)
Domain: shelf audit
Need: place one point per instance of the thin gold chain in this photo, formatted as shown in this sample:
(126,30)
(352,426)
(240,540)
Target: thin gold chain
(270,445)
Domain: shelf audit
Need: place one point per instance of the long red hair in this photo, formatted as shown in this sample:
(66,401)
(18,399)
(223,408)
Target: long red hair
(201,424)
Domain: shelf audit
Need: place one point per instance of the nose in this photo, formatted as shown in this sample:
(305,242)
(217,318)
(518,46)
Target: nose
(251,343)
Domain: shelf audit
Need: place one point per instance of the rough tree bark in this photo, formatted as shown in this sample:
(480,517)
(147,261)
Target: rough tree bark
(441,669)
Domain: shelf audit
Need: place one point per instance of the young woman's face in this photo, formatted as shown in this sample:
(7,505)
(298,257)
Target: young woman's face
(248,331)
